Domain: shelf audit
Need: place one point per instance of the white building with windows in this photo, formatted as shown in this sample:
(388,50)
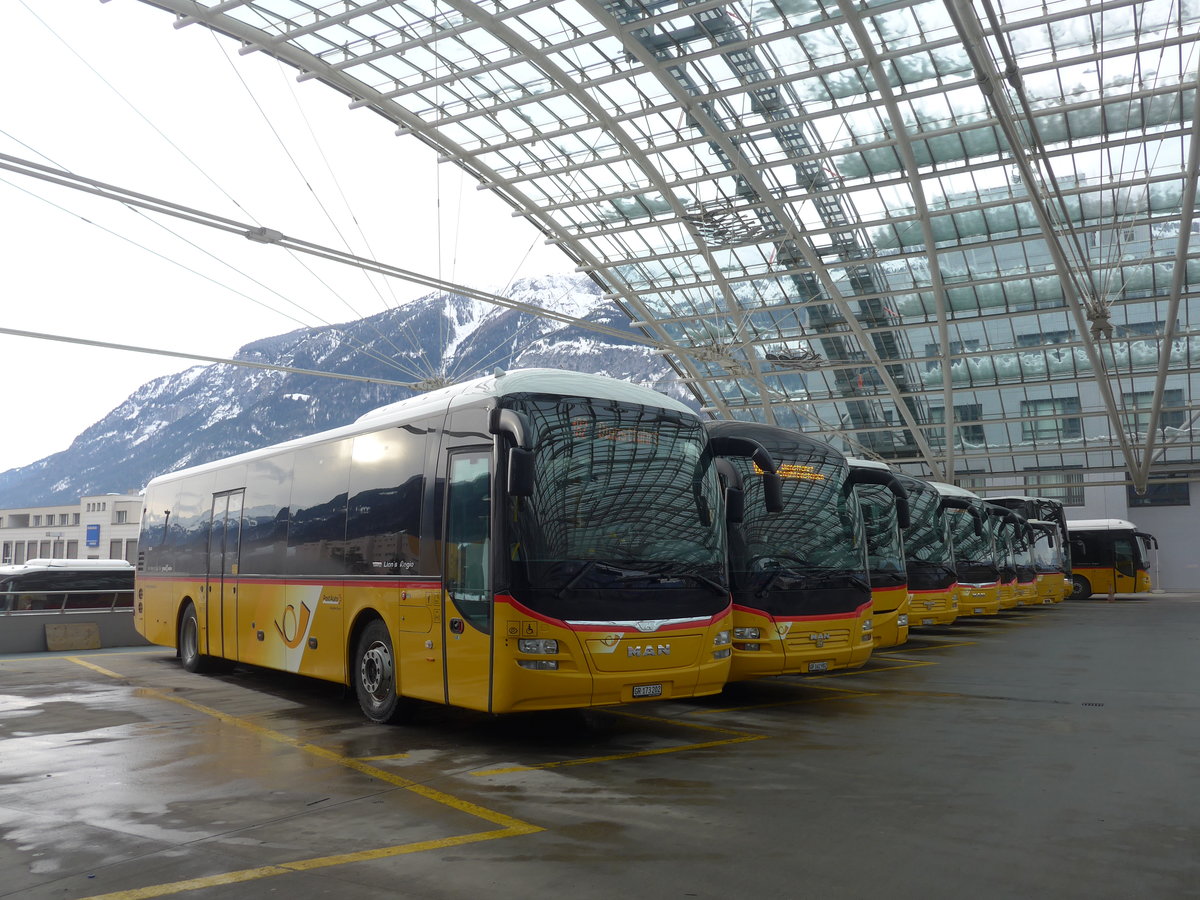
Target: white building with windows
(98,527)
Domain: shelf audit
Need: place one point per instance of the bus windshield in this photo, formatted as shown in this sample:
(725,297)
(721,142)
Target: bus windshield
(970,547)
(625,520)
(817,540)
(927,539)
(1046,555)
(885,549)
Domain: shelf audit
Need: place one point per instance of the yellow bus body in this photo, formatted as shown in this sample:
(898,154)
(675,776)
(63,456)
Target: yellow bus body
(979,599)
(889,615)
(1105,580)
(801,645)
(1027,592)
(303,628)
(1051,588)
(938,606)
(1009,598)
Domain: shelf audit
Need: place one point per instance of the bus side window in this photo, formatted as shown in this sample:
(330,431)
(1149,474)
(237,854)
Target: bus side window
(468,530)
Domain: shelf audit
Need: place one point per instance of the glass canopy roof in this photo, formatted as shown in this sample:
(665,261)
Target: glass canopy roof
(838,216)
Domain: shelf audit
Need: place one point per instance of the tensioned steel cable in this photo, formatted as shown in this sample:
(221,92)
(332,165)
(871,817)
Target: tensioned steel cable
(264,235)
(133,348)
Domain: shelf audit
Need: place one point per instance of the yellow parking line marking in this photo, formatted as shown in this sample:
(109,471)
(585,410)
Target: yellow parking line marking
(95,668)
(509,826)
(736,737)
(304,865)
(384,757)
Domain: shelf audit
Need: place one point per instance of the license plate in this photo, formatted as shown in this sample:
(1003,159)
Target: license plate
(647,690)
(927,621)
(818,666)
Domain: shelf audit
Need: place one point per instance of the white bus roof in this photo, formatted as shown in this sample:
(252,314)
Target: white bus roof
(31,564)
(1101,525)
(525,381)
(499,384)
(858,463)
(953,490)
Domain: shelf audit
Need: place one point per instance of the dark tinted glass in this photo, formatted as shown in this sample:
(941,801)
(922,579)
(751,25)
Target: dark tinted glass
(265,515)
(383,524)
(317,532)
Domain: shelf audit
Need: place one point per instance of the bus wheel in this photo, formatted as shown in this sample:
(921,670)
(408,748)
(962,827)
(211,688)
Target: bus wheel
(1081,588)
(375,675)
(189,641)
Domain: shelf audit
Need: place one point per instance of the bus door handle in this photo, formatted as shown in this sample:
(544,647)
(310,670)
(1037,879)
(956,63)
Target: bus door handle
(457,626)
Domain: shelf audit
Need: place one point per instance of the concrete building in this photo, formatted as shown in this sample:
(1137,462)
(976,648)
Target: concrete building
(104,526)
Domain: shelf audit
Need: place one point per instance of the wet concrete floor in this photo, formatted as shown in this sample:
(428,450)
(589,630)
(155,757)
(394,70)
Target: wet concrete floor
(1052,752)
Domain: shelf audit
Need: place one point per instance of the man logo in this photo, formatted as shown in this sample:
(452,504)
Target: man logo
(819,638)
(650,650)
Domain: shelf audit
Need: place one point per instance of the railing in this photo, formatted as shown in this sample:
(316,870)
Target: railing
(19,602)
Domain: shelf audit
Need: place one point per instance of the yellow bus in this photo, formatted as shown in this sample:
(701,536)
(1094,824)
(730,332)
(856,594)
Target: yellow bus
(1005,526)
(530,540)
(802,598)
(1051,546)
(929,553)
(884,503)
(976,560)
(1109,556)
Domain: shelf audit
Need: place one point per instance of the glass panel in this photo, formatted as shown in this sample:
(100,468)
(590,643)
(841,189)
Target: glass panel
(468,537)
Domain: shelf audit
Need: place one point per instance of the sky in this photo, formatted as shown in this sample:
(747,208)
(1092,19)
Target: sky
(113,92)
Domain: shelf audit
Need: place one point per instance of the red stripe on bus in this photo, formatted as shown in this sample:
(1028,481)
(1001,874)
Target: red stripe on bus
(523,610)
(828,616)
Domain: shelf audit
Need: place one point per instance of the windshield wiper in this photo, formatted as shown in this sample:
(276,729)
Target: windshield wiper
(671,573)
(812,579)
(585,569)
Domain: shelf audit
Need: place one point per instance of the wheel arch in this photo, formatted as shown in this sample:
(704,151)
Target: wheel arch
(184,601)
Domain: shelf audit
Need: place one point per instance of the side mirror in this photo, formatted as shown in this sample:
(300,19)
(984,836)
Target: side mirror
(735,505)
(727,445)
(772,492)
(520,472)
(520,457)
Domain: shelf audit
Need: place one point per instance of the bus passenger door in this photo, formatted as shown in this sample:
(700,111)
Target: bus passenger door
(466,597)
(224,546)
(1124,565)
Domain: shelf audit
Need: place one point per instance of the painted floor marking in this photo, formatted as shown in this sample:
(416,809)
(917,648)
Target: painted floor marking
(736,737)
(510,826)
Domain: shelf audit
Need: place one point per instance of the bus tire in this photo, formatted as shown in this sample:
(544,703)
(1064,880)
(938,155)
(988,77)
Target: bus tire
(375,675)
(1081,588)
(189,641)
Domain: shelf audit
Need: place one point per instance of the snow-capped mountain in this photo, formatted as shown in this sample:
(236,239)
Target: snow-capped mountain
(209,412)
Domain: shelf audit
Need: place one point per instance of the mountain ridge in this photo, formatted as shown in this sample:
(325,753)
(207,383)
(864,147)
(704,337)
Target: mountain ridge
(212,411)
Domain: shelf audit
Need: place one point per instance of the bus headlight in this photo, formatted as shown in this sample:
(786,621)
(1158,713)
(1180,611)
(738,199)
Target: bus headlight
(722,654)
(902,620)
(722,637)
(542,646)
(747,634)
(868,624)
